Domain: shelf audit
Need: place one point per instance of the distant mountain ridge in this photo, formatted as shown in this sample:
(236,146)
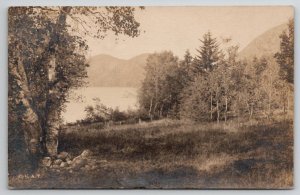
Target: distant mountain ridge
(266,44)
(109,71)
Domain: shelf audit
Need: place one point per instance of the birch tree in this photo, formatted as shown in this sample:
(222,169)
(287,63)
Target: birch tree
(47,58)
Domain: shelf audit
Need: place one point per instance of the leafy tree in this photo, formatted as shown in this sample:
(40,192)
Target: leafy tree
(195,104)
(47,59)
(159,91)
(98,112)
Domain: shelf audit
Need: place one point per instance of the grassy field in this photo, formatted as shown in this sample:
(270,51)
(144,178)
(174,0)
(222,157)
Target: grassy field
(174,154)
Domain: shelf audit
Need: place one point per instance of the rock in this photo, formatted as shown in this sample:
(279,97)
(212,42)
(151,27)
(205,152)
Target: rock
(69,162)
(102,161)
(86,153)
(55,166)
(46,162)
(63,155)
(57,162)
(78,163)
(63,164)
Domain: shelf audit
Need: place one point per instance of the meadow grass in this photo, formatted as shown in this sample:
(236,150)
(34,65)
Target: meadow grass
(178,154)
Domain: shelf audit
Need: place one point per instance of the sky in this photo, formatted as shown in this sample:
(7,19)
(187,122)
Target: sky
(181,28)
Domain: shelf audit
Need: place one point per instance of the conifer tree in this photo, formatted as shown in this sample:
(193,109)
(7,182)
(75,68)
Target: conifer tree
(208,54)
(285,57)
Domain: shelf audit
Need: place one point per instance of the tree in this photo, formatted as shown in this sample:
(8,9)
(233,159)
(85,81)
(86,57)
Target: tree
(212,92)
(227,65)
(208,54)
(47,59)
(285,57)
(195,104)
(186,67)
(98,112)
(159,91)
(269,80)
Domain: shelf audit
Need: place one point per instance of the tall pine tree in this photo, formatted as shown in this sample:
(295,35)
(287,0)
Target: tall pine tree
(208,54)
(285,57)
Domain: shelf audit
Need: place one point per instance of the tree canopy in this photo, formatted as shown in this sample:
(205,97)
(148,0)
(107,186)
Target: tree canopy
(47,49)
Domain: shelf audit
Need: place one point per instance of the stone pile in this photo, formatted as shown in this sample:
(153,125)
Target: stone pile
(64,160)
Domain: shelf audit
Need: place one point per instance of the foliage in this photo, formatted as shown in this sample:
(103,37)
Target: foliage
(254,156)
(47,59)
(208,54)
(216,84)
(159,90)
(285,57)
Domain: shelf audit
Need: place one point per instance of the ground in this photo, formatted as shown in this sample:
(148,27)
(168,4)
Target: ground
(174,154)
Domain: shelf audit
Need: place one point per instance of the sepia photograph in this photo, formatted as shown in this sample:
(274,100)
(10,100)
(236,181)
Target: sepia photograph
(151,97)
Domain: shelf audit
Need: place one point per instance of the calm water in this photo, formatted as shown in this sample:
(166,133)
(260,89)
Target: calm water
(122,97)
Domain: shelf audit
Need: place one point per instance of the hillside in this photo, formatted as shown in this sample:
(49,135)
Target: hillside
(109,71)
(267,44)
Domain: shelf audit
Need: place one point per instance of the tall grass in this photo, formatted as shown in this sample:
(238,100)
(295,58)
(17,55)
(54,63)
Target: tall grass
(170,153)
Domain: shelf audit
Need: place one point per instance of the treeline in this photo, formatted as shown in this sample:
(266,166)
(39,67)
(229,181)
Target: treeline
(216,84)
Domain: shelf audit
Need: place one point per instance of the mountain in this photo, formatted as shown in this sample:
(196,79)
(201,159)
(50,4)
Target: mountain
(267,44)
(109,71)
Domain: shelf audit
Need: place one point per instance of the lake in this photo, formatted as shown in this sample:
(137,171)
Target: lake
(122,97)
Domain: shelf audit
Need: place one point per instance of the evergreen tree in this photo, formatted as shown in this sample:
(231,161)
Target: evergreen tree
(285,57)
(208,54)
(186,66)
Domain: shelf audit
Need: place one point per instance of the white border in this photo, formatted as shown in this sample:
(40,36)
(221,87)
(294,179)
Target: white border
(4,4)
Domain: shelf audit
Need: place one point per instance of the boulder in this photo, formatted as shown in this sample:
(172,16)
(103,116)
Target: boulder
(78,162)
(46,162)
(63,164)
(69,162)
(87,167)
(57,162)
(63,156)
(55,166)
(86,153)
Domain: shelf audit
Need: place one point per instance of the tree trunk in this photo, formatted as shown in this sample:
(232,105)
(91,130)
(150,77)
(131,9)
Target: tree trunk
(226,107)
(269,107)
(52,130)
(150,109)
(270,96)
(251,111)
(218,112)
(30,120)
(288,100)
(155,107)
(160,111)
(50,134)
(211,107)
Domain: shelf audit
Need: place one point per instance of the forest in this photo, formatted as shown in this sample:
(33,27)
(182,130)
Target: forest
(215,85)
